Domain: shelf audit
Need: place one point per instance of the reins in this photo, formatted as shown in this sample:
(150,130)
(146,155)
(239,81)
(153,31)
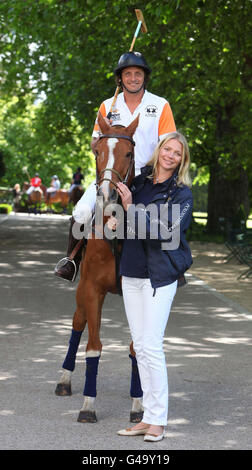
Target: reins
(117,136)
(114,242)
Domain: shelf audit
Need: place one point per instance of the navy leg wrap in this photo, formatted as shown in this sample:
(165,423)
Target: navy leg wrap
(69,362)
(135,386)
(91,374)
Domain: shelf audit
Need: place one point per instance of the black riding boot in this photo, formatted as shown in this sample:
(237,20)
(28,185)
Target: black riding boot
(68,267)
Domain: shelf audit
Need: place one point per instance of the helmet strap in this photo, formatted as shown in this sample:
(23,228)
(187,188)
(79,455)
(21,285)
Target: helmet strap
(129,91)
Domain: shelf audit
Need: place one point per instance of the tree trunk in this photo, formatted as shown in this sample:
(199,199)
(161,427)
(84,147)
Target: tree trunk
(226,196)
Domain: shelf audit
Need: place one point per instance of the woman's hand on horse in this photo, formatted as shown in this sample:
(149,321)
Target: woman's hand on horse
(125,195)
(112,223)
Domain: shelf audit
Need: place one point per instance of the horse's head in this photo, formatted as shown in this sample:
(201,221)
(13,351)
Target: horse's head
(114,158)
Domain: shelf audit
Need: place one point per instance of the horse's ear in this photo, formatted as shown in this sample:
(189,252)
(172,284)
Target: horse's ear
(132,127)
(102,123)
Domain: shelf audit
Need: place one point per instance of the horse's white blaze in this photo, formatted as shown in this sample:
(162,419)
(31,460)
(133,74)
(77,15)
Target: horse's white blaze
(110,164)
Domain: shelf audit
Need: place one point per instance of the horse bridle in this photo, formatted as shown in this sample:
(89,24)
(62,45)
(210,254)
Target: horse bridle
(122,180)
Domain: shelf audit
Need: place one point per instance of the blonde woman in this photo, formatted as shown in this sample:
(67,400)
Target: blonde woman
(151,270)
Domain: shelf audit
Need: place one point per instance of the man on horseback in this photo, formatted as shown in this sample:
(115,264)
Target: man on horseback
(156,120)
(76,181)
(55,186)
(35,184)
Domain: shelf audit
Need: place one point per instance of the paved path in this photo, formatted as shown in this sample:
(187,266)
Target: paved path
(207,344)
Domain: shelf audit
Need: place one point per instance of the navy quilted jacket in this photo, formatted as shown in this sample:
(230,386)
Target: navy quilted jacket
(163,235)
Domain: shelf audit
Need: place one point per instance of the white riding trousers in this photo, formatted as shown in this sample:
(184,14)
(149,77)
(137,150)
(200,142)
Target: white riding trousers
(82,212)
(30,189)
(147,317)
(52,190)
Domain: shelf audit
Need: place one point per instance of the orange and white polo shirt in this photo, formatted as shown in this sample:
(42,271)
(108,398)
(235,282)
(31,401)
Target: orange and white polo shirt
(155,121)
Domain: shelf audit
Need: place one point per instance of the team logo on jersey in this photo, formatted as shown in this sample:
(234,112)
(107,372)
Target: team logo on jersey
(115,115)
(151,110)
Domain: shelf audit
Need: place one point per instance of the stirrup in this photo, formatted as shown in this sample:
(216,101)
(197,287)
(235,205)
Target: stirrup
(62,262)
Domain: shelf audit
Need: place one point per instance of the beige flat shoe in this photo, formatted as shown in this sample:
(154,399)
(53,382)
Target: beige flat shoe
(132,432)
(154,437)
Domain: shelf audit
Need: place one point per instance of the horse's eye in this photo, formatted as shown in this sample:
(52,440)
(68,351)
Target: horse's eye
(96,153)
(129,154)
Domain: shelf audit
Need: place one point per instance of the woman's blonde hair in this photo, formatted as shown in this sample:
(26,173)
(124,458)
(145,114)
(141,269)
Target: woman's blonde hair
(183,172)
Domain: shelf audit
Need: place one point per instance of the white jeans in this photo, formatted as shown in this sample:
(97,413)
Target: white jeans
(147,317)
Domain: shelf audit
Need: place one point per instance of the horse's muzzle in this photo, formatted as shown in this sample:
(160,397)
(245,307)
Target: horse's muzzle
(108,197)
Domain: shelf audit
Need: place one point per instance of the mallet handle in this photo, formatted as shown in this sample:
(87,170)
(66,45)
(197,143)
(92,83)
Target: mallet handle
(141,22)
(114,100)
(135,35)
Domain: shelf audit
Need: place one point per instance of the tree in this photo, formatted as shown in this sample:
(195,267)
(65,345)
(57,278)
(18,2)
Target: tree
(2,166)
(207,73)
(28,146)
(200,53)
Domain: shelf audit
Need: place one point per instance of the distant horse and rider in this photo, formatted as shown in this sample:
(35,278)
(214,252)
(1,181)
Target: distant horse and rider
(35,191)
(38,193)
(98,274)
(54,194)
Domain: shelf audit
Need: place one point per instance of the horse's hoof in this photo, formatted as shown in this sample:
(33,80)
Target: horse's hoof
(87,417)
(63,390)
(136,417)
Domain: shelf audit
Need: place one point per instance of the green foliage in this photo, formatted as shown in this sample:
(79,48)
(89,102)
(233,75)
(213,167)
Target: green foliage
(64,52)
(5,208)
(28,147)
(200,197)
(197,232)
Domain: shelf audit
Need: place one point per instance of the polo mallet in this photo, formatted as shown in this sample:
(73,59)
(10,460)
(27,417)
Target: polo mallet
(141,25)
(25,170)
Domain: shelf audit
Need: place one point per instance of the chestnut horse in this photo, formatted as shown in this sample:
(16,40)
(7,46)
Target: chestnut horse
(76,194)
(114,162)
(63,196)
(35,198)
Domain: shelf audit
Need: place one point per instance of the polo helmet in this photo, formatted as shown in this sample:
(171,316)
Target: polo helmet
(132,59)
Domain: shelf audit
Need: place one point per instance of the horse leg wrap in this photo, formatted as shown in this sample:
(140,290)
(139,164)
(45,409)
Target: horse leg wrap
(91,375)
(135,386)
(69,362)
(136,393)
